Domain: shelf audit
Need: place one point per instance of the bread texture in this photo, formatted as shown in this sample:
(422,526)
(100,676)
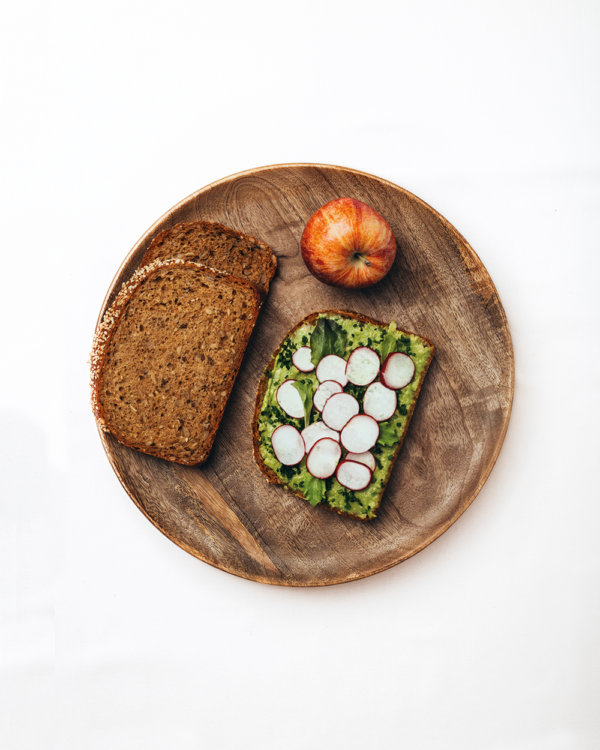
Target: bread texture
(299,335)
(166,355)
(219,247)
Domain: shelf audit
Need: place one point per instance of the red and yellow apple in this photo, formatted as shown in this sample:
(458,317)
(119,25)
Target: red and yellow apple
(347,243)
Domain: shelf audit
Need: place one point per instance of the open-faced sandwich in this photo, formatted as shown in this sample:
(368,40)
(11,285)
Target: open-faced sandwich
(333,407)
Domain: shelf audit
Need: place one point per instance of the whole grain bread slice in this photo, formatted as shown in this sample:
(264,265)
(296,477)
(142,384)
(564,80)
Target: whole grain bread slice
(308,323)
(166,355)
(219,247)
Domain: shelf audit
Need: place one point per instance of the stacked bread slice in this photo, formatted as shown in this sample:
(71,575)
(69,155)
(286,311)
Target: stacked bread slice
(166,354)
(216,246)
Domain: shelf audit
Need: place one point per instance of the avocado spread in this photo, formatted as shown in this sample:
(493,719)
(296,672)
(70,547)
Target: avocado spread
(384,340)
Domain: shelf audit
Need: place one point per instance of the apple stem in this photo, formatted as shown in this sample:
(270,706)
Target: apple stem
(364,260)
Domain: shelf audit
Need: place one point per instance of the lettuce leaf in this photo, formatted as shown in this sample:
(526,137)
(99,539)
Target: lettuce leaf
(388,346)
(389,343)
(388,435)
(314,489)
(328,337)
(305,389)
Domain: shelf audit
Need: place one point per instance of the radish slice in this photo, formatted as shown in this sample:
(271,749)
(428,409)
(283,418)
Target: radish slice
(353,475)
(290,400)
(363,366)
(339,410)
(332,367)
(398,370)
(379,402)
(317,431)
(301,359)
(323,458)
(288,445)
(367,458)
(360,434)
(324,391)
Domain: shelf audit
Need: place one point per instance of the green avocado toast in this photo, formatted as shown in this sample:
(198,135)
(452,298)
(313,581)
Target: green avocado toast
(343,475)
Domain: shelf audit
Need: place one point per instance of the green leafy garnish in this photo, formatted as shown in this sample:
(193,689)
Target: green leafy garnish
(278,416)
(389,342)
(284,358)
(314,489)
(358,391)
(389,346)
(387,434)
(305,389)
(288,471)
(327,338)
(405,345)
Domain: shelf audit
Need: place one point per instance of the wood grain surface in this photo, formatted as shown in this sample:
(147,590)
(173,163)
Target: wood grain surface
(225,513)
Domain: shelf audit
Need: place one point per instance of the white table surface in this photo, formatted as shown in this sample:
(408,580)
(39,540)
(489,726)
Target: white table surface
(112,636)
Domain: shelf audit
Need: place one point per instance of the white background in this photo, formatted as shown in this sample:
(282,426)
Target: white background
(113,637)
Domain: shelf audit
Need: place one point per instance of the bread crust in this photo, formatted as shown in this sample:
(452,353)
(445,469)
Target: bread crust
(264,382)
(156,252)
(106,331)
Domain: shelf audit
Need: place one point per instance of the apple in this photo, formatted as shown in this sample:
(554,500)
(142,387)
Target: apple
(347,243)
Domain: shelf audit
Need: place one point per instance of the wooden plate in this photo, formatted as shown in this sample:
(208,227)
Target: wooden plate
(224,512)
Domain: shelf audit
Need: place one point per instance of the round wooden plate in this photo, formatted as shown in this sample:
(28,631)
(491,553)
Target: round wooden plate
(224,512)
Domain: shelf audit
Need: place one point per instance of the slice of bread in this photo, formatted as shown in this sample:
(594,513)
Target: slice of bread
(361,331)
(166,355)
(216,246)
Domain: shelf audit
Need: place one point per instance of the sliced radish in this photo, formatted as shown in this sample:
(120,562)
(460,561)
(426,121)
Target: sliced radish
(288,445)
(324,391)
(323,458)
(332,367)
(363,366)
(290,400)
(353,475)
(359,434)
(398,370)
(339,410)
(379,402)
(366,458)
(317,431)
(301,359)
